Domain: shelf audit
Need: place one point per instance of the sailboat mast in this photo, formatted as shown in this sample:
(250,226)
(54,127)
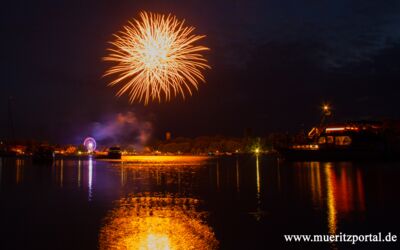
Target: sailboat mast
(11,120)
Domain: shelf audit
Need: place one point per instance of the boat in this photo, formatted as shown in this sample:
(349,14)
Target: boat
(353,140)
(350,140)
(43,154)
(114,153)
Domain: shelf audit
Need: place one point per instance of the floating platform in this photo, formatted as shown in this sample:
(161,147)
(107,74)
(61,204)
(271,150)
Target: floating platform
(160,159)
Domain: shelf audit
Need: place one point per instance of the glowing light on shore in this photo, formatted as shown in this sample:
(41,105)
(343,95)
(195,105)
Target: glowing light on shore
(155,57)
(156,223)
(90,144)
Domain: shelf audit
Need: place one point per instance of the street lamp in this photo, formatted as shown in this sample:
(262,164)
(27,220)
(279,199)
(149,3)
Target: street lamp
(326,110)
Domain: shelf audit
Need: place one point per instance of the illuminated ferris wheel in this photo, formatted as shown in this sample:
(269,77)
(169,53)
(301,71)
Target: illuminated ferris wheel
(90,144)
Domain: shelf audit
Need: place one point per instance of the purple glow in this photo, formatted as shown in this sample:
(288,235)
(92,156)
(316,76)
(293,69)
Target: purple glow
(90,144)
(128,129)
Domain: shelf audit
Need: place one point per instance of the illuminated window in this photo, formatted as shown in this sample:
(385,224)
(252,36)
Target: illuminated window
(342,140)
(321,140)
(329,139)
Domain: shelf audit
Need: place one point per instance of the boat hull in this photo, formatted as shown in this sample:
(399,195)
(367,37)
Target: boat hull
(335,155)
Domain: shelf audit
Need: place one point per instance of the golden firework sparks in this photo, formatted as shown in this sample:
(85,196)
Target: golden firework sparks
(155,57)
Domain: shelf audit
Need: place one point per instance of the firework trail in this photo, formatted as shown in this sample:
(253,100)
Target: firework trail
(155,58)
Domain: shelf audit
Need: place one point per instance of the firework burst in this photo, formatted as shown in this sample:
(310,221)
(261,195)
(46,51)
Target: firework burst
(155,58)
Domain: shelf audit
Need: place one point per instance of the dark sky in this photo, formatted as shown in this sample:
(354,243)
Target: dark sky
(274,62)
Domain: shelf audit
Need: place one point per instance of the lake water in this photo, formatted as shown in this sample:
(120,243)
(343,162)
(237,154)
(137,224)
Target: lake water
(221,203)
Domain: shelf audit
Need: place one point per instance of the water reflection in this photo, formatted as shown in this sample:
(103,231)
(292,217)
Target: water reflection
(285,196)
(258,214)
(258,177)
(278,173)
(234,189)
(337,188)
(315,182)
(331,200)
(79,172)
(67,172)
(156,222)
(237,176)
(345,192)
(90,176)
(123,175)
(19,171)
(1,169)
(177,178)
(61,173)
(217,169)
(58,172)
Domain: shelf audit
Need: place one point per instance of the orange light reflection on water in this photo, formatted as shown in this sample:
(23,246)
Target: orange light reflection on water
(156,223)
(331,201)
(345,193)
(258,178)
(19,171)
(237,176)
(163,159)
(316,188)
(259,213)
(338,187)
(79,173)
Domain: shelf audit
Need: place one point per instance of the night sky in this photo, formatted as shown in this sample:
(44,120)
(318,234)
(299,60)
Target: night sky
(273,64)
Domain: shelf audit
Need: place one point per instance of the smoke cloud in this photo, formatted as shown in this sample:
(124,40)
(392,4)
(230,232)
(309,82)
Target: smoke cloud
(123,129)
